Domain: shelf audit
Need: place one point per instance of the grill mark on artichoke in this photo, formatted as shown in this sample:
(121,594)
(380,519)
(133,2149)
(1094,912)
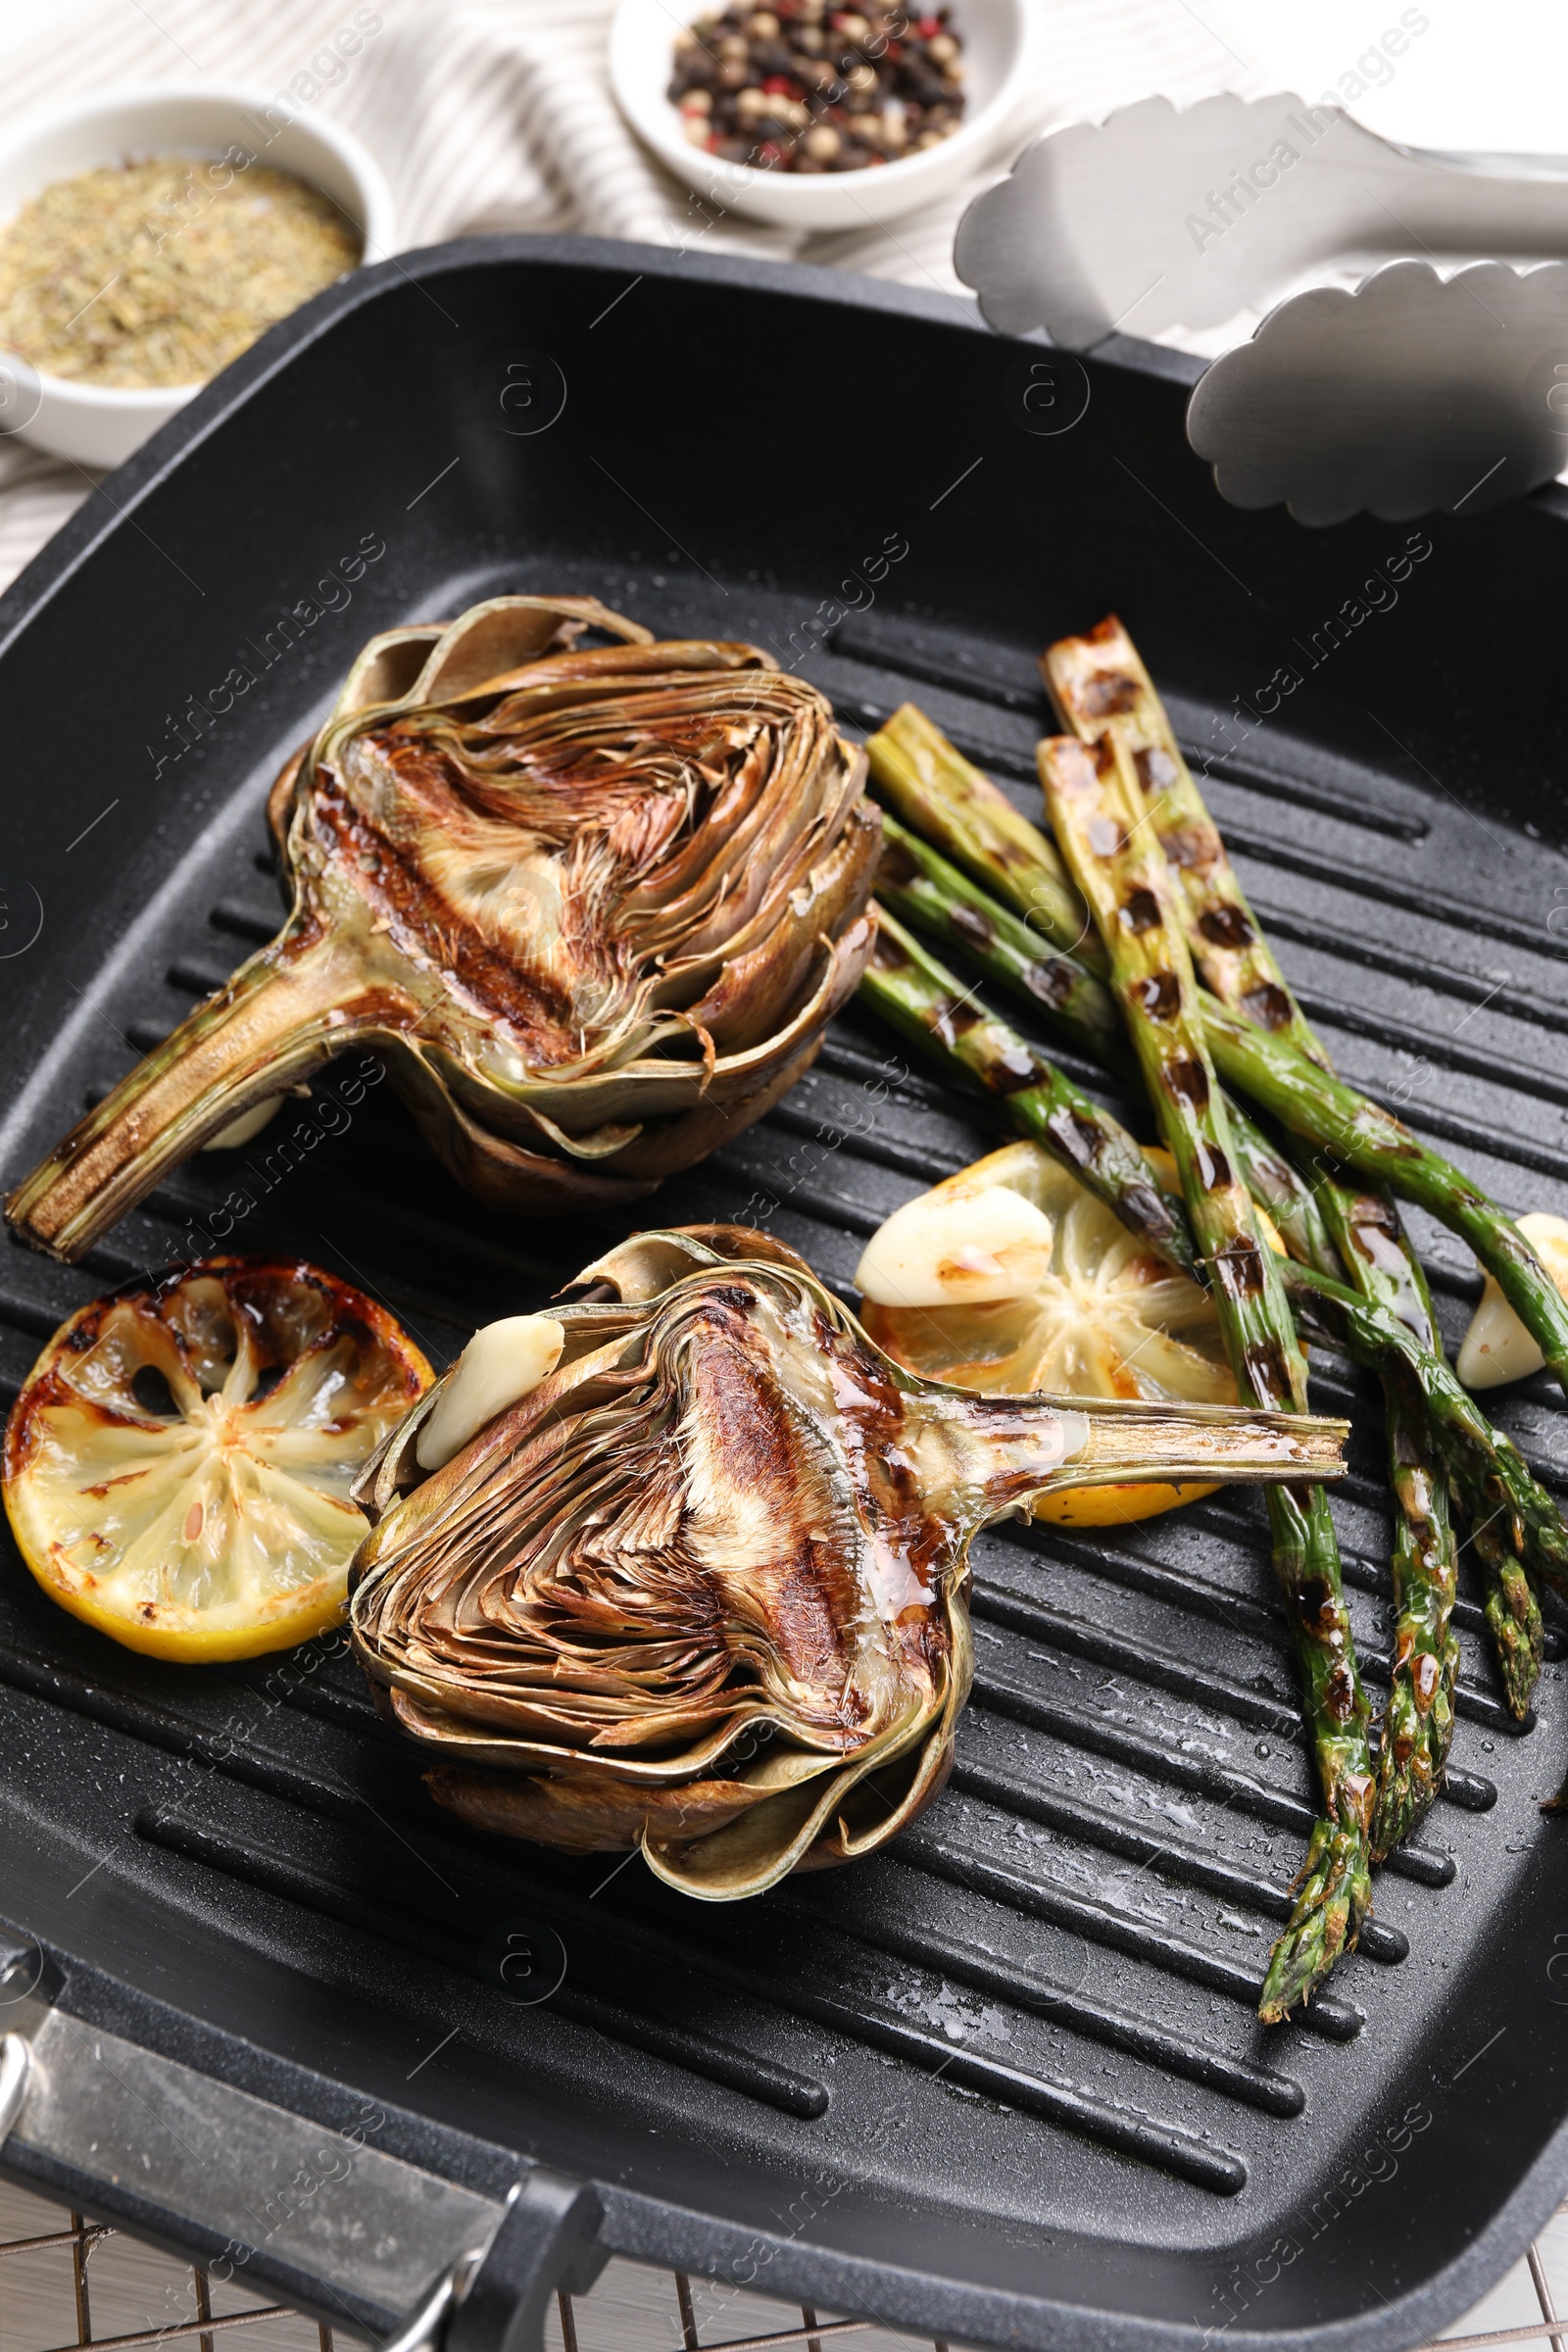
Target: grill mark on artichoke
(740,1593)
(708,1577)
(532,1012)
(595,907)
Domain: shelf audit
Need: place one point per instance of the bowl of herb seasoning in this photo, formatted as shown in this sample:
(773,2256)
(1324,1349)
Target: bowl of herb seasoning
(148,236)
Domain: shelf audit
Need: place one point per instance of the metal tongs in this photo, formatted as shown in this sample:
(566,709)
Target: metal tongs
(1432,385)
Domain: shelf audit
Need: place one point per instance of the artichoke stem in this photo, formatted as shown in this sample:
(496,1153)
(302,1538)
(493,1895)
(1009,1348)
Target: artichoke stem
(284,1013)
(985,1455)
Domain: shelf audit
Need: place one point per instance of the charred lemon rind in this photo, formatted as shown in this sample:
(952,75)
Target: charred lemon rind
(177,1466)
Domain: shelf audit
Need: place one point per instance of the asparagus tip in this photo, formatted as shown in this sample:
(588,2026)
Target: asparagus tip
(1413,1761)
(1407,1788)
(1334,1894)
(1518,1649)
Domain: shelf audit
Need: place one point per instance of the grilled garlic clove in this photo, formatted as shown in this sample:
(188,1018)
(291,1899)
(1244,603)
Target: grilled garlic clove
(502,1362)
(250,1122)
(962,1249)
(1497,1347)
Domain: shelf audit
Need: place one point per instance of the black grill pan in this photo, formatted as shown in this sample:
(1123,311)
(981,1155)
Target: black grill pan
(1004,2084)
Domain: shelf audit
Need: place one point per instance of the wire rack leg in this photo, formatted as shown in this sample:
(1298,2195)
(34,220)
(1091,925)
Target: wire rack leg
(1548,2309)
(204,2302)
(80,2248)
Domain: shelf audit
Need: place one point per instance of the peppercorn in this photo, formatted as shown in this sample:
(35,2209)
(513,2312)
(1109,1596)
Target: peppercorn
(802,86)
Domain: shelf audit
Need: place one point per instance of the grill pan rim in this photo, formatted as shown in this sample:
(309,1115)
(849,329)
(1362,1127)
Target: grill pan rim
(637,2224)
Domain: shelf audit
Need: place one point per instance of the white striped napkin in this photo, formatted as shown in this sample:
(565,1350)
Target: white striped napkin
(490,114)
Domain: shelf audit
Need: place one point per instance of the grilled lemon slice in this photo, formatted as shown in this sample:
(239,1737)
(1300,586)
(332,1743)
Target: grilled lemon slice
(177,1466)
(1010,1277)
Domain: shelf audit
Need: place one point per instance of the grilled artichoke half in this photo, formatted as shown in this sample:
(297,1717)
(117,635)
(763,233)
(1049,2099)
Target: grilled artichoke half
(597,904)
(704,1589)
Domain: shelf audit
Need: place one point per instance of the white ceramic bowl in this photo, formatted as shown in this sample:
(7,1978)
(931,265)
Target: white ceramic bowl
(998,50)
(100,425)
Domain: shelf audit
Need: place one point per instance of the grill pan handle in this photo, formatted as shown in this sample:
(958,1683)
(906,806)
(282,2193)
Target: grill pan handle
(547,2243)
(188,2161)
(495,2301)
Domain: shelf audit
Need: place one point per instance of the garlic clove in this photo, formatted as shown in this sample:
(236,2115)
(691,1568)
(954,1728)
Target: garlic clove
(952,1250)
(500,1365)
(250,1122)
(1497,1348)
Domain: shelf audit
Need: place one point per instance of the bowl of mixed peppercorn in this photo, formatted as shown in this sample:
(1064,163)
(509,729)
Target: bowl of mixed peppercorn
(819,116)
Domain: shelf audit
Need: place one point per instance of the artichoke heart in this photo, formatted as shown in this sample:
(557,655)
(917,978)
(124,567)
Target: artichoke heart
(595,902)
(703,1589)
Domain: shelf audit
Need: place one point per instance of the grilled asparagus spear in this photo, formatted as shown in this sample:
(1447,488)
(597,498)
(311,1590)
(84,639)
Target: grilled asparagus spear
(930,894)
(1423,1570)
(934,1010)
(918,774)
(1322,1109)
(924,889)
(1489,1478)
(1515,1523)
(1311,1102)
(1418,1718)
(1287,1194)
(1098,683)
(1093,797)
(1487,1467)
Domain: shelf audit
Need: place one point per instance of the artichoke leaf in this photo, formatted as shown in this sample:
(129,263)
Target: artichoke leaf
(580,1815)
(508,1749)
(521,869)
(704,1589)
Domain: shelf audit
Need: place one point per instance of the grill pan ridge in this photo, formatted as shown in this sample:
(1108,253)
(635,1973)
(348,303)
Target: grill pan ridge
(1003,2083)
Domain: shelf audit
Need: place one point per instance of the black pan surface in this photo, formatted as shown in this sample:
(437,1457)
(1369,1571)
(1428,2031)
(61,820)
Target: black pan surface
(1006,2084)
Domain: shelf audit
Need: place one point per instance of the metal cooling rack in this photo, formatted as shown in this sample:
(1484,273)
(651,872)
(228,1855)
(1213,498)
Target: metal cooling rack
(81,2236)
(577,2332)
